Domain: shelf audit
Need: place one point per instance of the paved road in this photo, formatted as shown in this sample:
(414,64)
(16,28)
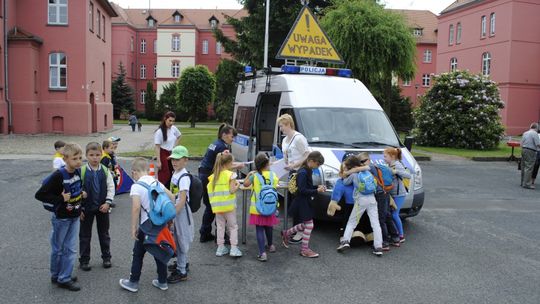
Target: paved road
(475,241)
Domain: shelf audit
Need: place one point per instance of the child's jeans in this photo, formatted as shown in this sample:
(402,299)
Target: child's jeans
(137,263)
(363,203)
(63,247)
(227,219)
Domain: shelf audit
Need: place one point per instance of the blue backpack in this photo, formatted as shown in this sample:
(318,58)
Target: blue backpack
(267,199)
(162,209)
(75,190)
(366,183)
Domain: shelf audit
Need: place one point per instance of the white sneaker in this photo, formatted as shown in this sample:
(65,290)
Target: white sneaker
(157,284)
(128,285)
(235,252)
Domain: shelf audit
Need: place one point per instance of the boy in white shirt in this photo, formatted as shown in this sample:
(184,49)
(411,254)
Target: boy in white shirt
(58,160)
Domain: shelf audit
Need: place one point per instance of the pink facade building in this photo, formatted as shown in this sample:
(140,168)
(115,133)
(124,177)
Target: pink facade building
(498,38)
(423,25)
(156,45)
(58,66)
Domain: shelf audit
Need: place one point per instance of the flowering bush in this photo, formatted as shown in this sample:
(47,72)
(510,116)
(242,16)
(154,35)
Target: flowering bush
(461,110)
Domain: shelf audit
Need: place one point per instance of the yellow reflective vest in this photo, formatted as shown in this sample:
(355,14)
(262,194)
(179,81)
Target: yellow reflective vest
(257,188)
(221,198)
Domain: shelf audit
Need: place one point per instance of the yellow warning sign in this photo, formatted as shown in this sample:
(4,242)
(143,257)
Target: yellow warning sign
(307,41)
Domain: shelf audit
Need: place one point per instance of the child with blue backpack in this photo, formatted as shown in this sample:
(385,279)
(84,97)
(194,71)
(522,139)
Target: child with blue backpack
(264,201)
(392,156)
(364,190)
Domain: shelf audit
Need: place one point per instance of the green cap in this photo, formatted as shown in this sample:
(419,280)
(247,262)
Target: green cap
(178,152)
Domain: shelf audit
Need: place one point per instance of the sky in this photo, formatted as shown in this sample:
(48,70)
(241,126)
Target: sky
(436,6)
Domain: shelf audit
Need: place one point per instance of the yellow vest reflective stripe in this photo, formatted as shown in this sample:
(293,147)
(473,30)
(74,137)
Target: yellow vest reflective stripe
(221,199)
(257,188)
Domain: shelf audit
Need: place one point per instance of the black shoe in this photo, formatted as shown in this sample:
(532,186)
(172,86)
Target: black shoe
(107,263)
(172,267)
(207,238)
(55,280)
(71,286)
(176,276)
(85,267)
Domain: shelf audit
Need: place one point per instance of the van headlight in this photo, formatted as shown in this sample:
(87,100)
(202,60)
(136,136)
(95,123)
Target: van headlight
(417,177)
(331,175)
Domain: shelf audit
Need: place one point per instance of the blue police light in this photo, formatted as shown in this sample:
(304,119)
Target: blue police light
(247,69)
(290,69)
(344,73)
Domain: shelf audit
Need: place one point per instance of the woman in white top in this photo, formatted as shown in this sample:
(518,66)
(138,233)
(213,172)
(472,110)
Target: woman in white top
(166,138)
(295,146)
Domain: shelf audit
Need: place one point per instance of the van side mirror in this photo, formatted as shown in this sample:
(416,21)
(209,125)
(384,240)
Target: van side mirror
(409,140)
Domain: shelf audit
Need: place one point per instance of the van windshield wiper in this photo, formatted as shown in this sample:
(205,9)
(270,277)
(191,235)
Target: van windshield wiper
(328,142)
(362,144)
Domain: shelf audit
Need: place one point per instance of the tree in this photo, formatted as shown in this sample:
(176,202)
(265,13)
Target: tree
(248,47)
(400,110)
(461,110)
(150,104)
(196,88)
(375,43)
(227,80)
(168,101)
(121,94)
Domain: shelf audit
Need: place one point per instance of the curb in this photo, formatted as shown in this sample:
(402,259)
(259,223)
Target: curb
(490,159)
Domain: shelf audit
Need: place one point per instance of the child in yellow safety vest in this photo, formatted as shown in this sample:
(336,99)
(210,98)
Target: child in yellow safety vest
(222,187)
(263,224)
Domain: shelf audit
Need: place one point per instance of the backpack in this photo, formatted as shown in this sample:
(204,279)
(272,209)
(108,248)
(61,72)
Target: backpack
(195,191)
(384,177)
(293,188)
(267,198)
(162,208)
(366,183)
(52,207)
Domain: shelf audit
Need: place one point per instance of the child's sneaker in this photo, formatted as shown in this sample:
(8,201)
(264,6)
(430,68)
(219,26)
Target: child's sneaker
(235,252)
(128,285)
(157,284)
(385,246)
(262,257)
(222,250)
(172,267)
(401,239)
(271,248)
(377,251)
(308,253)
(344,245)
(285,238)
(176,276)
(296,239)
(395,243)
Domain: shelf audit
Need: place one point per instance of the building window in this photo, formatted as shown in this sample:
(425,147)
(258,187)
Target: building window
(483,27)
(103,26)
(131,43)
(213,23)
(155,71)
(205,47)
(417,32)
(218,48)
(177,18)
(143,71)
(486,64)
(142,99)
(492,24)
(143,46)
(458,34)
(175,70)
(453,64)
(406,82)
(57,71)
(155,46)
(91,17)
(175,43)
(451,34)
(58,12)
(427,56)
(98,23)
(151,22)
(103,78)
(426,80)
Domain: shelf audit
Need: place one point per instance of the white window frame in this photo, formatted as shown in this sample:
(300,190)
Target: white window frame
(175,69)
(426,80)
(486,64)
(428,55)
(151,22)
(406,82)
(453,64)
(142,97)
(458,33)
(492,24)
(218,48)
(205,47)
(483,26)
(175,43)
(213,23)
(56,70)
(177,18)
(143,71)
(417,32)
(143,46)
(56,8)
(451,34)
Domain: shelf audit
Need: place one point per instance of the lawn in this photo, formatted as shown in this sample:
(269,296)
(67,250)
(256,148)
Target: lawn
(182,124)
(502,151)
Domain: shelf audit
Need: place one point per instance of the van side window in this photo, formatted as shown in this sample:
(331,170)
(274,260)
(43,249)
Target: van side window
(244,119)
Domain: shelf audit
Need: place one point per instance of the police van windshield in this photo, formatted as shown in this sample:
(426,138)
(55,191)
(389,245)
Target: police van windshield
(347,127)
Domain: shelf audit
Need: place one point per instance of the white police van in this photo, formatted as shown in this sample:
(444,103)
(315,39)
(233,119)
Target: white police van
(336,113)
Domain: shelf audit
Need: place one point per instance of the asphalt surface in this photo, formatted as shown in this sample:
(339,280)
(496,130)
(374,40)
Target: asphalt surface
(475,241)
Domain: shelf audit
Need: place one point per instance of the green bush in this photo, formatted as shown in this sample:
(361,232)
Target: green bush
(461,110)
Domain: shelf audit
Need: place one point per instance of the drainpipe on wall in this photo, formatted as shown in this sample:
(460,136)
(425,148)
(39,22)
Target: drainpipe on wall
(6,86)
(136,74)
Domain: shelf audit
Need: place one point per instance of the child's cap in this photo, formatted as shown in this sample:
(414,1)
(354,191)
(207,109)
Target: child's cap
(113,139)
(179,152)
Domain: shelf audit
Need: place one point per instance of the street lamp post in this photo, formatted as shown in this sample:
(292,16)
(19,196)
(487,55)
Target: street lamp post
(266,34)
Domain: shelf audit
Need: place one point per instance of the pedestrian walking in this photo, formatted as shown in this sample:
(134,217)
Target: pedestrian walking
(530,144)
(133,121)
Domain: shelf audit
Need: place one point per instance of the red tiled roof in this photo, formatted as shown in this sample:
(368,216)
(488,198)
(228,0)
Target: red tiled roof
(18,33)
(425,20)
(458,4)
(108,7)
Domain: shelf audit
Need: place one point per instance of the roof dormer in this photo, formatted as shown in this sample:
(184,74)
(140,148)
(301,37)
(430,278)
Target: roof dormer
(177,17)
(213,21)
(151,21)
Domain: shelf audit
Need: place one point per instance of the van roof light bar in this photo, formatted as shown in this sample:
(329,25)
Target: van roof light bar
(313,70)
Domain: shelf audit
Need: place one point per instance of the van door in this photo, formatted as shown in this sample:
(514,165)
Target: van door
(264,124)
